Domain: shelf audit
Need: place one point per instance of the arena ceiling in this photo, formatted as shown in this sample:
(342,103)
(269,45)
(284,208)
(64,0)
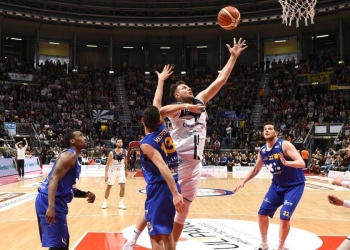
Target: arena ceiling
(97,20)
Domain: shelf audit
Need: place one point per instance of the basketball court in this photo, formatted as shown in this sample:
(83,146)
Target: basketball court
(219,219)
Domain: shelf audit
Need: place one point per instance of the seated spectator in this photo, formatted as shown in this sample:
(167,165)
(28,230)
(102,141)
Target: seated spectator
(223,160)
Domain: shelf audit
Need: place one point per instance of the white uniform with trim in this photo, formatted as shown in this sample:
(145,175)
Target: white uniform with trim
(189,135)
(116,169)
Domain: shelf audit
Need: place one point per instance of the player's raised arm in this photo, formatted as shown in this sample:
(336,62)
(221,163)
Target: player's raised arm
(162,77)
(207,94)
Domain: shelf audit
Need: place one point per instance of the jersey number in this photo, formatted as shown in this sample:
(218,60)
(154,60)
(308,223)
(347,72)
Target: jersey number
(168,146)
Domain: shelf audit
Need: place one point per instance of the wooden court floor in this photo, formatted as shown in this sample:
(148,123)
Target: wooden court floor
(18,224)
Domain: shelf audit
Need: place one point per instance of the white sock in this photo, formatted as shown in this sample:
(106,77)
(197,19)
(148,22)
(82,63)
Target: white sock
(105,200)
(121,199)
(135,235)
(264,238)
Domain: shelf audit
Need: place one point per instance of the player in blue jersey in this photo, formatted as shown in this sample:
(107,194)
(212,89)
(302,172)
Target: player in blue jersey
(58,189)
(160,163)
(288,182)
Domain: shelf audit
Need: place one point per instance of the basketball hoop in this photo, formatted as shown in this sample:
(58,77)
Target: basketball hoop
(298,10)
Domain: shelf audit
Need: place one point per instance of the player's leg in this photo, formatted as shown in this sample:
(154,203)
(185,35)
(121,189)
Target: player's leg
(54,236)
(267,209)
(121,181)
(345,245)
(189,183)
(110,182)
(291,199)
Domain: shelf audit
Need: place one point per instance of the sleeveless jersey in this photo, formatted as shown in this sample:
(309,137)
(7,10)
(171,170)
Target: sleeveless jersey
(189,133)
(282,175)
(67,185)
(118,161)
(162,142)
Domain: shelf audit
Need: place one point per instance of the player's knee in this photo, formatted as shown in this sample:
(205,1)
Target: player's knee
(285,215)
(181,217)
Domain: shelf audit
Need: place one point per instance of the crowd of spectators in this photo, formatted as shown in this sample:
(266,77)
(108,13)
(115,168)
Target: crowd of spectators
(59,100)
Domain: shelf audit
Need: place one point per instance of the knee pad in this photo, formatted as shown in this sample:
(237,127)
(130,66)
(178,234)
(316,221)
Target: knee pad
(181,217)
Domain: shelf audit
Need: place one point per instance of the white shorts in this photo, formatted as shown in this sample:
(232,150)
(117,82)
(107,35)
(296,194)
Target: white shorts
(114,175)
(189,178)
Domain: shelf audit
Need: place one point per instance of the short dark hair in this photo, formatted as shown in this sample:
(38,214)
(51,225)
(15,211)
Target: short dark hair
(70,135)
(271,123)
(151,117)
(173,88)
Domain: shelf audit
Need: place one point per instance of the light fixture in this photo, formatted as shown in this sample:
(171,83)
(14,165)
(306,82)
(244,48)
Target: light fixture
(15,38)
(53,43)
(91,46)
(219,71)
(146,72)
(74,70)
(320,36)
(202,47)
(340,62)
(111,72)
(183,72)
(128,47)
(164,47)
(280,41)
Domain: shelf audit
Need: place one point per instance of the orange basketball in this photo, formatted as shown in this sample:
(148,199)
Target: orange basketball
(229,18)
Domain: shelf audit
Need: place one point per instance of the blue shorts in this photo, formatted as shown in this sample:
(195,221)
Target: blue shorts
(57,234)
(159,208)
(276,196)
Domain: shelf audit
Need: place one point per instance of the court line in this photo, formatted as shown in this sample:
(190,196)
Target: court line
(79,240)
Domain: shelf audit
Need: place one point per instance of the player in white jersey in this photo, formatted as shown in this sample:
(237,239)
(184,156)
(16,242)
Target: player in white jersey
(116,171)
(188,118)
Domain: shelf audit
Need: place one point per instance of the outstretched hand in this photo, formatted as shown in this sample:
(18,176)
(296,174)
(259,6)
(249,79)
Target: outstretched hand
(335,200)
(238,187)
(237,48)
(167,71)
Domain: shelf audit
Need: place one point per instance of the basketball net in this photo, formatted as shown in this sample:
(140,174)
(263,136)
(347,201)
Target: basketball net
(298,10)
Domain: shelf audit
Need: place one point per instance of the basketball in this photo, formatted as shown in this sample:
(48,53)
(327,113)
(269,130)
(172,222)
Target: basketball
(229,18)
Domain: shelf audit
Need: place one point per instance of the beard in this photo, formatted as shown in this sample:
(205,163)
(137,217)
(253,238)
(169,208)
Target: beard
(119,146)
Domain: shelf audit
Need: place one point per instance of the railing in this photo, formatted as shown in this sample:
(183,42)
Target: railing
(341,131)
(309,137)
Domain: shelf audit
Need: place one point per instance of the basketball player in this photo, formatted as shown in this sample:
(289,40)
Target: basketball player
(188,118)
(345,245)
(160,162)
(115,170)
(288,182)
(58,189)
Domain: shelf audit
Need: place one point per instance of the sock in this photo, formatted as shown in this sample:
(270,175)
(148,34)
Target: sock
(105,200)
(175,243)
(121,199)
(135,235)
(280,244)
(264,238)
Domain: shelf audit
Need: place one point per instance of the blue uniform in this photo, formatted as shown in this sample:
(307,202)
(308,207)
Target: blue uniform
(287,183)
(159,206)
(57,234)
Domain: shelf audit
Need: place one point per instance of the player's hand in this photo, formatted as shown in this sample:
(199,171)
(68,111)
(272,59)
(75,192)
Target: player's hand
(126,173)
(106,178)
(90,197)
(179,203)
(50,215)
(238,187)
(237,48)
(196,108)
(337,181)
(283,159)
(167,71)
(335,200)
